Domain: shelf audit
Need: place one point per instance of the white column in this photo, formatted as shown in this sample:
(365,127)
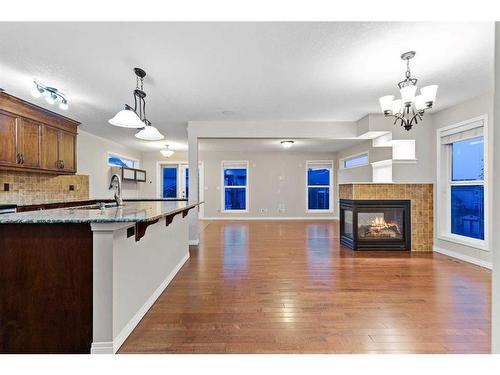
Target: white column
(193,186)
(495,312)
(103,296)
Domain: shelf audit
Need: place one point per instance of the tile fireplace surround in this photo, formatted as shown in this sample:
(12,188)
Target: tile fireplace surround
(422,203)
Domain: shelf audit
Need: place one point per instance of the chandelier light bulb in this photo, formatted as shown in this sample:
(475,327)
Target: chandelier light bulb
(396,106)
(420,104)
(386,103)
(429,93)
(408,94)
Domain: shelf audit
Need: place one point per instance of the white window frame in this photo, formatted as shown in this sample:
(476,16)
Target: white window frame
(342,161)
(136,161)
(444,184)
(223,187)
(331,192)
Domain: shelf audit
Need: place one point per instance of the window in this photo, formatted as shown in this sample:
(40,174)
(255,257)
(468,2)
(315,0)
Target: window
(169,179)
(319,186)
(355,161)
(463,216)
(116,160)
(235,182)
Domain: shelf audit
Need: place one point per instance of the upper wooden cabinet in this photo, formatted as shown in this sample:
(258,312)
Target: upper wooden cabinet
(7,139)
(35,139)
(28,143)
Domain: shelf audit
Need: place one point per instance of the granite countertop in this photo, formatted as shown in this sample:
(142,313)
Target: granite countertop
(141,211)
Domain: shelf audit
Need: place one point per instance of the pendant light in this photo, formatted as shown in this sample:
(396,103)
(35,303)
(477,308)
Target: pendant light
(167,152)
(135,118)
(149,133)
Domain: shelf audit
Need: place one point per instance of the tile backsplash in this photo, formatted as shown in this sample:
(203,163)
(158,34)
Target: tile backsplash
(34,188)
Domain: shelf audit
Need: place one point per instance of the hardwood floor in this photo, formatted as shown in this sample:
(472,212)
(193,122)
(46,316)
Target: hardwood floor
(289,287)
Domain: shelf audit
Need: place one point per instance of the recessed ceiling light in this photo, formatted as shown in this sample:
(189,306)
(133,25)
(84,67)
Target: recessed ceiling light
(287,144)
(227,113)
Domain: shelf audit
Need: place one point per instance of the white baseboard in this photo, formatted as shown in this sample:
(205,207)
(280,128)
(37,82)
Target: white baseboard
(129,327)
(465,258)
(229,218)
(194,242)
(102,348)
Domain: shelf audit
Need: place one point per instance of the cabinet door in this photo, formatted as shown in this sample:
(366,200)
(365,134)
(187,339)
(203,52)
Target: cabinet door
(67,148)
(50,148)
(28,143)
(8,152)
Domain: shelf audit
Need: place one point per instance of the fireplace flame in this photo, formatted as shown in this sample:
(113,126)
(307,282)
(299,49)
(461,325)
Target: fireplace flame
(379,227)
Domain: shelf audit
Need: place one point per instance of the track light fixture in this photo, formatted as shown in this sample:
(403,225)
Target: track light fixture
(51,94)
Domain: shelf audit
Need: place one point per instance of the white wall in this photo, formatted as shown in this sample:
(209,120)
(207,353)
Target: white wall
(150,162)
(422,170)
(462,112)
(266,189)
(276,179)
(357,174)
(92,161)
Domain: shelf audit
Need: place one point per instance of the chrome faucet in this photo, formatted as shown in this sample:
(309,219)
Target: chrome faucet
(118,192)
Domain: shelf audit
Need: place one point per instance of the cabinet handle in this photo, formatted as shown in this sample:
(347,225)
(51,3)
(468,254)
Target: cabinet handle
(18,158)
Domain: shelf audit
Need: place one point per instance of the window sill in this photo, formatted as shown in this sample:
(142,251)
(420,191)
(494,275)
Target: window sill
(462,240)
(234,211)
(319,211)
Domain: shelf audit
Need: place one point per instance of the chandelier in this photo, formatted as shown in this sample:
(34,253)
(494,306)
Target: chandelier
(410,109)
(136,117)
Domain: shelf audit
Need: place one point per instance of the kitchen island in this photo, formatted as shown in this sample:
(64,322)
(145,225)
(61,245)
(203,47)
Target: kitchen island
(79,279)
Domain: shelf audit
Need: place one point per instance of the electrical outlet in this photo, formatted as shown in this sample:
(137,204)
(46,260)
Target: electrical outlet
(71,187)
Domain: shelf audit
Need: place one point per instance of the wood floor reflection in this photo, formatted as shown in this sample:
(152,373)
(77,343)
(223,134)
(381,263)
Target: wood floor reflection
(289,287)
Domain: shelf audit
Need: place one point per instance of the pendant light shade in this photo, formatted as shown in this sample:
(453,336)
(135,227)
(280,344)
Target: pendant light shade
(127,118)
(149,133)
(167,152)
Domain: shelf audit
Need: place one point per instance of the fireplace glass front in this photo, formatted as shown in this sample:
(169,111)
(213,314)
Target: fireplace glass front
(375,224)
(387,224)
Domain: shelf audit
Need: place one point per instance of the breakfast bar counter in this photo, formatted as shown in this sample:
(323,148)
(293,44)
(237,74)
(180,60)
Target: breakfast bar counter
(79,279)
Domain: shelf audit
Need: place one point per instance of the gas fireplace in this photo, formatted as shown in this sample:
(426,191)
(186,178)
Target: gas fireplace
(375,224)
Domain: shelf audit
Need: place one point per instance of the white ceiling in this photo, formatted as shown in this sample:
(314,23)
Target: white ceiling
(270,145)
(304,71)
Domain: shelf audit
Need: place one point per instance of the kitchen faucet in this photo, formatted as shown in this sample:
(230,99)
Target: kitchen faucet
(118,192)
